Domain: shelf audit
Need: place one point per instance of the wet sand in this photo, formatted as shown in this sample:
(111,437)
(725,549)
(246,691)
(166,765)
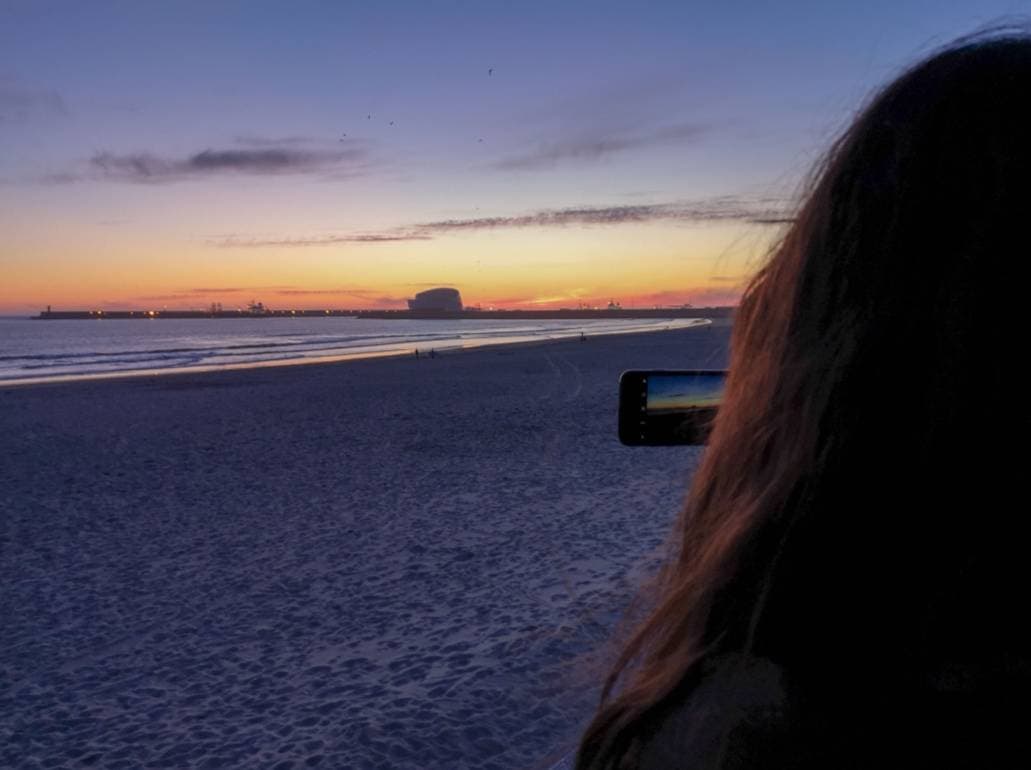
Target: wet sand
(381,563)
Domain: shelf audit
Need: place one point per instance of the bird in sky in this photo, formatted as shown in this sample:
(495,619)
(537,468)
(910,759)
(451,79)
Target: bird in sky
(391,122)
(490,72)
(479,140)
(368,117)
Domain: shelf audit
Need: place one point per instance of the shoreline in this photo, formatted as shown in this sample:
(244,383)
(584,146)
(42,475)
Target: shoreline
(62,379)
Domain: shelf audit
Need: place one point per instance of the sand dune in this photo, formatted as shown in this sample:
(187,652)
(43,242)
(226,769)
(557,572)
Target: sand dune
(387,563)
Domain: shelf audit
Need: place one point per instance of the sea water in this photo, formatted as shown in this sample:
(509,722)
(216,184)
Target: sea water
(44,351)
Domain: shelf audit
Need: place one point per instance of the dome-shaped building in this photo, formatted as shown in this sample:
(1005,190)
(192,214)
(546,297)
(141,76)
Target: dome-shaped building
(436,299)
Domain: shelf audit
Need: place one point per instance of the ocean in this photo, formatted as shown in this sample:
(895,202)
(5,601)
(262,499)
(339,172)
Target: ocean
(50,351)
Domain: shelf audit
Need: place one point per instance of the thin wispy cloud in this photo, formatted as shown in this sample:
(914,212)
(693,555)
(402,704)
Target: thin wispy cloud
(573,295)
(362,295)
(714,297)
(155,169)
(645,99)
(589,147)
(264,141)
(163,297)
(18,104)
(226,290)
(326,240)
(304,292)
(501,301)
(761,211)
(214,290)
(706,297)
(286,291)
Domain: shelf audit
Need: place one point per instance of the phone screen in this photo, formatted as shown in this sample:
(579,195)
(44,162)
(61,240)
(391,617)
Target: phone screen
(661,408)
(673,393)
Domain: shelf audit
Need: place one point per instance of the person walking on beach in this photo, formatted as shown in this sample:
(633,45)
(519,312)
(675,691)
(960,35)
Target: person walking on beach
(847,580)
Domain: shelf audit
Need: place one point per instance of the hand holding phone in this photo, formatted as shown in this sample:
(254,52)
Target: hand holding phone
(668,407)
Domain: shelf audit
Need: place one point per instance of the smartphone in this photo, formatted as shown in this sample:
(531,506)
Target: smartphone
(665,408)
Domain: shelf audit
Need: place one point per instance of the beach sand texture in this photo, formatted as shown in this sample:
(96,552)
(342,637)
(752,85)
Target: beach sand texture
(385,563)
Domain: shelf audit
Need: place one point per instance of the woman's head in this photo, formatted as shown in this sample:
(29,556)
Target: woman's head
(871,417)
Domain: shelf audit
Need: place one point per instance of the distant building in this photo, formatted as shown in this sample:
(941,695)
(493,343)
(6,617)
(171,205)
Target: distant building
(436,299)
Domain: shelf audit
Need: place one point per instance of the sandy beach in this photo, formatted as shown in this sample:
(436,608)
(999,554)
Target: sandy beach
(391,563)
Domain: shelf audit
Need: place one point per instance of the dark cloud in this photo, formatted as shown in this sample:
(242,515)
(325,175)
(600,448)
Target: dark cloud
(607,215)
(588,147)
(270,161)
(729,208)
(150,168)
(720,209)
(20,104)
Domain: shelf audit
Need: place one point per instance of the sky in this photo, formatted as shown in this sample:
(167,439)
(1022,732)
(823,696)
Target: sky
(350,154)
(672,392)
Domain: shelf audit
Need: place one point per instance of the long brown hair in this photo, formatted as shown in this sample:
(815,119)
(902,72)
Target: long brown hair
(834,496)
